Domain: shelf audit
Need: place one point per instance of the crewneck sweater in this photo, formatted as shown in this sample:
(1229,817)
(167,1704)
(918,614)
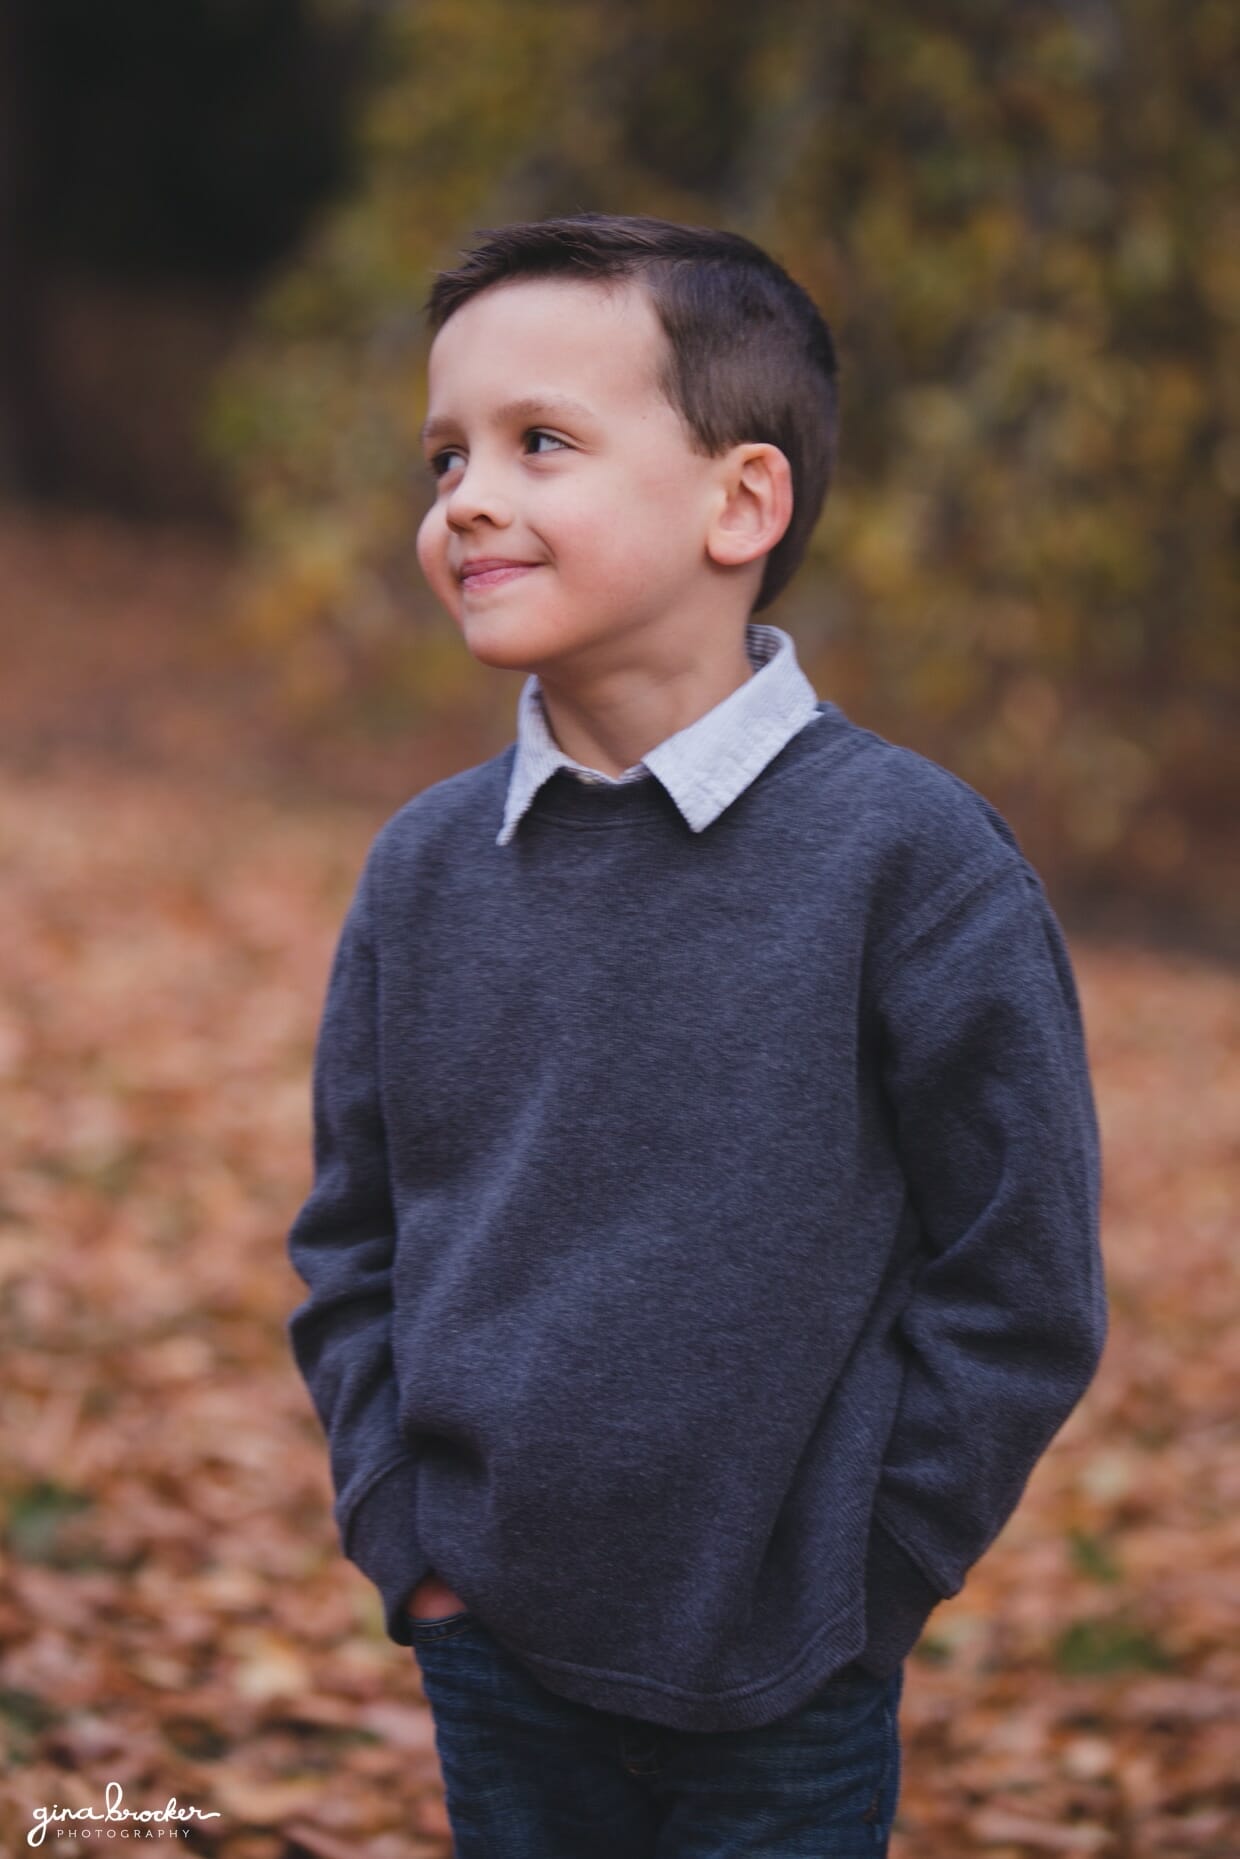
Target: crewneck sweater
(703,1244)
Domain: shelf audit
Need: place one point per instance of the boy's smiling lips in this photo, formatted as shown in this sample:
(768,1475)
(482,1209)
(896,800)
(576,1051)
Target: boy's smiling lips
(491,570)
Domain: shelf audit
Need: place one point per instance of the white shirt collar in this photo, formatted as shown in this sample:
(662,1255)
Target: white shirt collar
(706,765)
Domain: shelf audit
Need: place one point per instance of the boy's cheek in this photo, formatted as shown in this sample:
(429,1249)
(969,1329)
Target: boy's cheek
(429,536)
(431,548)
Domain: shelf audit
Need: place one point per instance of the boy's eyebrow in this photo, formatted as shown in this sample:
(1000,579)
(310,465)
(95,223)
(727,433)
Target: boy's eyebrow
(437,427)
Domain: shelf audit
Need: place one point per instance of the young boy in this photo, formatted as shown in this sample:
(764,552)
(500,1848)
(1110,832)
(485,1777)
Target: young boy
(703,1244)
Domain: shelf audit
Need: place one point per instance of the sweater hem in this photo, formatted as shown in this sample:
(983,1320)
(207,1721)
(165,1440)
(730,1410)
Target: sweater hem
(744,1707)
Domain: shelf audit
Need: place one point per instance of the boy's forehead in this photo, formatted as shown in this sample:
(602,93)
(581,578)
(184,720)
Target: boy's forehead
(597,339)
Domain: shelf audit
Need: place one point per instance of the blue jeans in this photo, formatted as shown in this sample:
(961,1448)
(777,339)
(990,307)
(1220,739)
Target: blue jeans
(530,1775)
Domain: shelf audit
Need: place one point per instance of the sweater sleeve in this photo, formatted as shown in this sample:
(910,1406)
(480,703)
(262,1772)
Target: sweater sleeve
(342,1244)
(986,1072)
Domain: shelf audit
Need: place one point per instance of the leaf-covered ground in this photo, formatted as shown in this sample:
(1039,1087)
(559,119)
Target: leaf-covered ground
(175,1616)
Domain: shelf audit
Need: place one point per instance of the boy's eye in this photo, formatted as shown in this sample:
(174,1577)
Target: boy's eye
(439,464)
(442,462)
(536,432)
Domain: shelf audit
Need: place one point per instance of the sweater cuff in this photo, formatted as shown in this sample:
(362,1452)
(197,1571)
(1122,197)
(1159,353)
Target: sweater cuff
(382,1541)
(898,1600)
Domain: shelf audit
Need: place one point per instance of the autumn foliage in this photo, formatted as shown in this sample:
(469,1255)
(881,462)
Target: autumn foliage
(175,1615)
(1022,224)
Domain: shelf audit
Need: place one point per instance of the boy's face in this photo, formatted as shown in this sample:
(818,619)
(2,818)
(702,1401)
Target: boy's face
(603,502)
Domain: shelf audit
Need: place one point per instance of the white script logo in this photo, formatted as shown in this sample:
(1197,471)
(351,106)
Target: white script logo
(152,1823)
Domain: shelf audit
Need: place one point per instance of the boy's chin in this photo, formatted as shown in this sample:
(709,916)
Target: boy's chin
(513,646)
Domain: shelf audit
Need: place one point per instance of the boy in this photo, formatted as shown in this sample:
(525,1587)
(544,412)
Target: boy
(703,1245)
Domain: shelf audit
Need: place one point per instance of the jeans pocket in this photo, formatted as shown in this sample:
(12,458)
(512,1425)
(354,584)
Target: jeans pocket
(426,1631)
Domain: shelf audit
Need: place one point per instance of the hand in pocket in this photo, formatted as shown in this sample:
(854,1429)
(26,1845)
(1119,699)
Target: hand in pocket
(432,1599)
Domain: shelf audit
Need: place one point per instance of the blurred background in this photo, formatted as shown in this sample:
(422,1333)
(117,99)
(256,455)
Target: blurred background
(221,672)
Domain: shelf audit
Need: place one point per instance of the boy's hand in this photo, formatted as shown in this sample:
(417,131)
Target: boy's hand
(433,1598)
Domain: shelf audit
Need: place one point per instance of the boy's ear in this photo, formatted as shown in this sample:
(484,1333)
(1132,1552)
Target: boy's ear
(753,507)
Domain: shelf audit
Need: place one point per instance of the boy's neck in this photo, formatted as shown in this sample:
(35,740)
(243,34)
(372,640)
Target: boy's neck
(611,722)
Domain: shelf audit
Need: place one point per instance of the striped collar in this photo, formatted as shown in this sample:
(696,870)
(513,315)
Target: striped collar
(704,766)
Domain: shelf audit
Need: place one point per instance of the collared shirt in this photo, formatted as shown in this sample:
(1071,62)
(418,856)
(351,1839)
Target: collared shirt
(704,766)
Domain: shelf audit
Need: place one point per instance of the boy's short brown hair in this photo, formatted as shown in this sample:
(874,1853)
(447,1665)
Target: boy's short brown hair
(750,357)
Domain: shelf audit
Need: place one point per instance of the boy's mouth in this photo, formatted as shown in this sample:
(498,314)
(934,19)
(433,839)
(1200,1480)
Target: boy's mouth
(491,571)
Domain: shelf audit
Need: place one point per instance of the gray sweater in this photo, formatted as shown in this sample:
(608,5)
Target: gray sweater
(703,1245)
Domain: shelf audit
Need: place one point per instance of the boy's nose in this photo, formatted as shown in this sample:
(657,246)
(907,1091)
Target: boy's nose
(477,494)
